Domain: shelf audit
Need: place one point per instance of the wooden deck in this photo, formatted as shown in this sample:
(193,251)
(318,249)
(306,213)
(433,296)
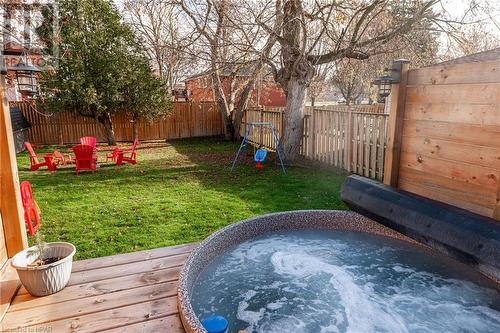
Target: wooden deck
(134,292)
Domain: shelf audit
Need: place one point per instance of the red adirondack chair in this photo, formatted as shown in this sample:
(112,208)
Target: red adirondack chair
(31,210)
(63,159)
(113,155)
(85,158)
(128,155)
(35,163)
(89,140)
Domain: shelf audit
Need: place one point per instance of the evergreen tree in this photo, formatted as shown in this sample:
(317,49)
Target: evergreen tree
(98,66)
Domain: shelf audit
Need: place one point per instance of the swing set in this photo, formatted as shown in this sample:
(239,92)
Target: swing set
(260,154)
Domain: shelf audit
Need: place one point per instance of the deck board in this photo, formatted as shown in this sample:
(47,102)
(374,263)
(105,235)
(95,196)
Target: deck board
(134,292)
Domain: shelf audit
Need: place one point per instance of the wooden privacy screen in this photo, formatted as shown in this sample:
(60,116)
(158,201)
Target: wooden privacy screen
(187,120)
(450,146)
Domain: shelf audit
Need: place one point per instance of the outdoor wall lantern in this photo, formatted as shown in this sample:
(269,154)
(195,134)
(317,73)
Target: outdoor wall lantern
(384,85)
(384,82)
(27,77)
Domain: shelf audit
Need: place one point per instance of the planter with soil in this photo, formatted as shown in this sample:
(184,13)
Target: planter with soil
(47,271)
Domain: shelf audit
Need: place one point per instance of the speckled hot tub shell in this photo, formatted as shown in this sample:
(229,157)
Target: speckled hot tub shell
(236,233)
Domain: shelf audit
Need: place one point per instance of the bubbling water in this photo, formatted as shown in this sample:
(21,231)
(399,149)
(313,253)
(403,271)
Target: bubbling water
(325,281)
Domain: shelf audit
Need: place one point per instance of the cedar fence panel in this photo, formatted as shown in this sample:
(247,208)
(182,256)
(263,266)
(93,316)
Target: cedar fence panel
(186,120)
(347,137)
(448,138)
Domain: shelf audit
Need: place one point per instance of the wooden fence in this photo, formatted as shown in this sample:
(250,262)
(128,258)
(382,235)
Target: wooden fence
(348,137)
(187,120)
(444,134)
(342,136)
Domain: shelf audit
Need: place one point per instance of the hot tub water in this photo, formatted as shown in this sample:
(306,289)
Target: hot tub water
(340,281)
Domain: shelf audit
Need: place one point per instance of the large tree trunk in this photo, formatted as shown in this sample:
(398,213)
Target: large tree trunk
(294,118)
(135,129)
(294,76)
(105,119)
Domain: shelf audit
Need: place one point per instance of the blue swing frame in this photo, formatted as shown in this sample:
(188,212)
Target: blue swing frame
(245,141)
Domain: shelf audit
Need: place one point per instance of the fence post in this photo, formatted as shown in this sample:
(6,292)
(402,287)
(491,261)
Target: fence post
(261,119)
(312,134)
(245,117)
(349,139)
(395,127)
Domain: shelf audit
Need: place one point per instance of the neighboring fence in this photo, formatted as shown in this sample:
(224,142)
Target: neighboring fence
(342,136)
(187,120)
(348,137)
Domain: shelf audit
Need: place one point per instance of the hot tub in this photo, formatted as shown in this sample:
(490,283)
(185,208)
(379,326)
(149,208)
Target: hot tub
(330,271)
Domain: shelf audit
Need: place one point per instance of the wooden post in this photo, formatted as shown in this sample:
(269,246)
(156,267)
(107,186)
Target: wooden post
(11,208)
(348,141)
(395,127)
(312,135)
(245,116)
(261,119)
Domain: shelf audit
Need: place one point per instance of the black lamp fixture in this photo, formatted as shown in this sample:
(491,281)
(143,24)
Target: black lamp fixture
(384,85)
(27,77)
(384,82)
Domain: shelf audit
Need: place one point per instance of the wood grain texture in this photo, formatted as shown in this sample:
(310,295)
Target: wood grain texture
(464,192)
(472,114)
(444,195)
(124,319)
(166,324)
(126,299)
(488,136)
(26,301)
(457,171)
(9,286)
(451,135)
(488,157)
(126,258)
(10,197)
(93,275)
(468,73)
(465,93)
(186,120)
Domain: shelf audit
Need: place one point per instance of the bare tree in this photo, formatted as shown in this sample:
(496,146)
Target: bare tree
(474,30)
(354,77)
(319,32)
(232,44)
(320,82)
(351,77)
(161,31)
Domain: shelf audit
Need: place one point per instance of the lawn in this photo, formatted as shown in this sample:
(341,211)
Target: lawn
(179,192)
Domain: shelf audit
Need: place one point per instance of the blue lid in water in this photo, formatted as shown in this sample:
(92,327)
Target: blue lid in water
(215,324)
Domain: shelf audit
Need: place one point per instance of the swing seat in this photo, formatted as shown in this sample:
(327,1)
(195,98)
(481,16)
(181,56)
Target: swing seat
(260,155)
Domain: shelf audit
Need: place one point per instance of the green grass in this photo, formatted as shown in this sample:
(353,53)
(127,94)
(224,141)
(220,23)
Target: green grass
(179,192)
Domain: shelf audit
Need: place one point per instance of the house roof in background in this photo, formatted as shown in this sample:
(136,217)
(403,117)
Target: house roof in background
(243,71)
(489,55)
